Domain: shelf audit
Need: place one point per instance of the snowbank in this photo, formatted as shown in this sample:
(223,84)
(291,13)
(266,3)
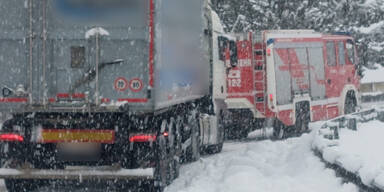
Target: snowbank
(358,152)
(263,166)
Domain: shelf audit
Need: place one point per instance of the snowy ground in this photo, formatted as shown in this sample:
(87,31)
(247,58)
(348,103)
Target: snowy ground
(359,152)
(263,166)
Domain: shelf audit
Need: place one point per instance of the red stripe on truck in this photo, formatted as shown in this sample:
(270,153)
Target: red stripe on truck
(63,95)
(78,96)
(151,41)
(13,100)
(11,137)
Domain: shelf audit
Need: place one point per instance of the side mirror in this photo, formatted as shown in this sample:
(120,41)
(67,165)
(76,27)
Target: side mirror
(233,53)
(222,44)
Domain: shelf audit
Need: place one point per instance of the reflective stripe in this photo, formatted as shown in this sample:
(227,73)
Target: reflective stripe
(13,100)
(97,136)
(133,100)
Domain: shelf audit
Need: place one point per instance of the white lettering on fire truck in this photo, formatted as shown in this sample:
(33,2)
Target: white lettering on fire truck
(244,63)
(234,78)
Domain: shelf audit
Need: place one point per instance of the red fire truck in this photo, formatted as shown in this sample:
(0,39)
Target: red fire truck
(287,78)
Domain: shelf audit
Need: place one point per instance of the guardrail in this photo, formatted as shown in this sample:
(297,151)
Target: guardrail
(350,121)
(328,136)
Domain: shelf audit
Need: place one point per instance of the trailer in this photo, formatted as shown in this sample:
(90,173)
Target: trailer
(287,78)
(108,90)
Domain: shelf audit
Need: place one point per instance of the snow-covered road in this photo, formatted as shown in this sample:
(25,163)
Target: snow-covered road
(262,166)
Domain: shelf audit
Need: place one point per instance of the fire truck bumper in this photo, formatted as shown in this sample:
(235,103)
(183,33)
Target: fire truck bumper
(78,174)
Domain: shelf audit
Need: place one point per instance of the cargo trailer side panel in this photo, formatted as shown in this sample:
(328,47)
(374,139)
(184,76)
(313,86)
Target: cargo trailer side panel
(181,74)
(14,54)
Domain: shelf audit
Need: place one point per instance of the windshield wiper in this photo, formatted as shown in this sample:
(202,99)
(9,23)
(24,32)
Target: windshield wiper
(91,74)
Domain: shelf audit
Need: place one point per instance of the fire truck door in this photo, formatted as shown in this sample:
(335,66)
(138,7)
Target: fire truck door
(331,68)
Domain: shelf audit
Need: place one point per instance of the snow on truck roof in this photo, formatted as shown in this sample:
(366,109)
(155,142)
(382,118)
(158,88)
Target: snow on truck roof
(292,34)
(305,34)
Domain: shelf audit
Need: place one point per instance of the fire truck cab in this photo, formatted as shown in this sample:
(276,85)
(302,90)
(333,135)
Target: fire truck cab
(287,78)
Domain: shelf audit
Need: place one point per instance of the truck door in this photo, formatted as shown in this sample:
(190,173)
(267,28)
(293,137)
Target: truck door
(91,54)
(343,69)
(331,68)
(350,66)
(298,66)
(68,55)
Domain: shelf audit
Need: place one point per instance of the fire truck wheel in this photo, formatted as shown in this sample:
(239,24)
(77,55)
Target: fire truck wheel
(302,123)
(350,103)
(15,185)
(278,129)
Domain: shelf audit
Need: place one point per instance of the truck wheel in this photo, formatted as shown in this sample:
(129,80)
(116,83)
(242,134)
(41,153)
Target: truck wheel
(302,124)
(303,117)
(213,149)
(350,103)
(278,129)
(18,185)
(163,168)
(178,146)
(194,150)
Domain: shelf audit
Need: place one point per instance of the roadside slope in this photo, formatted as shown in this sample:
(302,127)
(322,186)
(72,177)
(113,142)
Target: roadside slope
(263,166)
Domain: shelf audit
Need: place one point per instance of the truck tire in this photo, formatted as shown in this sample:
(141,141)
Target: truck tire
(178,146)
(279,129)
(213,149)
(303,117)
(350,103)
(193,154)
(302,124)
(169,152)
(163,171)
(174,146)
(18,185)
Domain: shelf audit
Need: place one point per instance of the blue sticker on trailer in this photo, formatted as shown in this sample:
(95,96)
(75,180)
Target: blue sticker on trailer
(69,8)
(91,8)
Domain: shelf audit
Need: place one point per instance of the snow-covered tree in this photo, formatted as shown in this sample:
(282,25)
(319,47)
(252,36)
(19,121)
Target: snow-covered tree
(320,15)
